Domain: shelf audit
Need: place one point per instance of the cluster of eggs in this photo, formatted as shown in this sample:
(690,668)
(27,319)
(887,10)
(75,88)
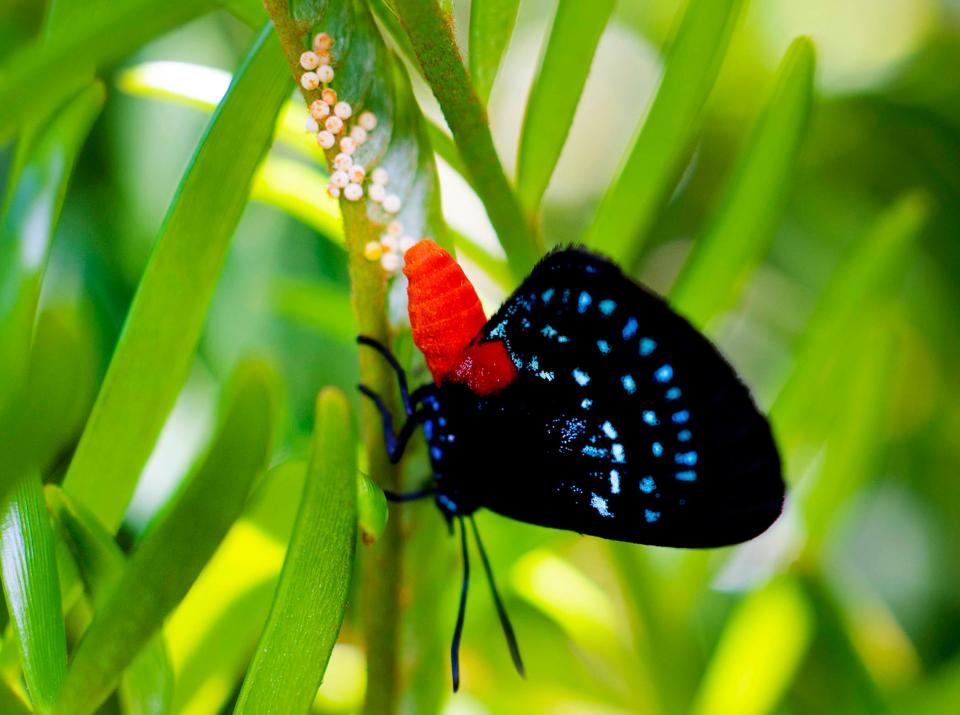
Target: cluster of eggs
(329,121)
(390,248)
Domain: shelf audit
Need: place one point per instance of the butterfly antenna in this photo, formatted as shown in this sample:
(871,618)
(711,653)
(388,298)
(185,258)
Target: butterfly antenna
(501,611)
(461,613)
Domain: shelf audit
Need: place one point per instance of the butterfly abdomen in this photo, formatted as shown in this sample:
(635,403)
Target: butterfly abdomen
(446,316)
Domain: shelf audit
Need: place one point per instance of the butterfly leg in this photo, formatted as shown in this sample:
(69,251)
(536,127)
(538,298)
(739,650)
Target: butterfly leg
(394,443)
(461,611)
(392,362)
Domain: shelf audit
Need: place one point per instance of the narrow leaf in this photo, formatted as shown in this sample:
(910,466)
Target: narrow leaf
(147,685)
(214,630)
(661,147)
(491,25)
(555,93)
(96,37)
(60,384)
(311,597)
(740,233)
(154,354)
(759,653)
(31,585)
(175,548)
(864,274)
(31,210)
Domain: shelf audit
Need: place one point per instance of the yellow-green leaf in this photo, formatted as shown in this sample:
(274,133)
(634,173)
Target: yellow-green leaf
(740,232)
(156,348)
(655,159)
(311,597)
(177,545)
(555,93)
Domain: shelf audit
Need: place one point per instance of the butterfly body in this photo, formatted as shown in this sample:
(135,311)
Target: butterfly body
(619,420)
(585,403)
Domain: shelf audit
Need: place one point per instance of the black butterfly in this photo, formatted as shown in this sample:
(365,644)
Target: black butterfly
(623,422)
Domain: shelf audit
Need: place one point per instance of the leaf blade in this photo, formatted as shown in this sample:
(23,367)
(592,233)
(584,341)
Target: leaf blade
(555,93)
(628,208)
(741,231)
(491,25)
(147,685)
(174,549)
(32,588)
(163,326)
(296,644)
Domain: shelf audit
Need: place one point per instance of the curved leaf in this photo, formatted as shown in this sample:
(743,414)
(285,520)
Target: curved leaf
(31,210)
(177,545)
(163,326)
(741,231)
(311,597)
(555,93)
(491,25)
(32,588)
(656,157)
(147,685)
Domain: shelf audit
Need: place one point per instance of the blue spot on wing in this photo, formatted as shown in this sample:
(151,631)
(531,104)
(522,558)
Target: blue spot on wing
(607,306)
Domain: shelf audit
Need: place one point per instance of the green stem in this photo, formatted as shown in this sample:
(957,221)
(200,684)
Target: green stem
(431,34)
(382,562)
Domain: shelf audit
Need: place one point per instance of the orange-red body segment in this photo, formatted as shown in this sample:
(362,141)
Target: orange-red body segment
(445,317)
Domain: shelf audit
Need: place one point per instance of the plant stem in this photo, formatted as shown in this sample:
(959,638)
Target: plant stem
(382,562)
(431,33)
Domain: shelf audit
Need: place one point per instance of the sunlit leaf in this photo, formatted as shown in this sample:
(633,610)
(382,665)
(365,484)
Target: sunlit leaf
(177,545)
(740,232)
(491,25)
(759,652)
(32,588)
(163,326)
(215,628)
(555,93)
(310,600)
(656,157)
(147,684)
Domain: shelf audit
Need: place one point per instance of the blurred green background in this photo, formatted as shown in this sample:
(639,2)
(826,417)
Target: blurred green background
(846,329)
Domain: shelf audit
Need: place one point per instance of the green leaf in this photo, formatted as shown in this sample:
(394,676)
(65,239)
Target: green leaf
(760,650)
(147,685)
(31,585)
(555,93)
(102,34)
(216,627)
(54,403)
(661,147)
(491,25)
(865,273)
(177,545)
(740,233)
(311,597)
(31,209)
(156,348)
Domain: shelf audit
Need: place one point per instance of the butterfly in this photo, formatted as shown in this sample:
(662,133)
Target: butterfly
(585,403)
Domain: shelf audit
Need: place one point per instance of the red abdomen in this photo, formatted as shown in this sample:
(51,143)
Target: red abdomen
(445,316)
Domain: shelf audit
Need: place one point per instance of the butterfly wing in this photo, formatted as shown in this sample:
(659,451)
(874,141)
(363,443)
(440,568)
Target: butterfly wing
(623,421)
